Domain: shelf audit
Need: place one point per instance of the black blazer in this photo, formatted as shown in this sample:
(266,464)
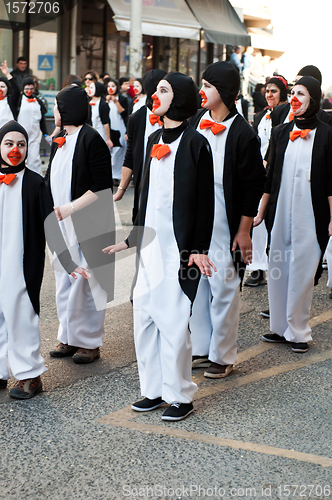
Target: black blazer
(243,178)
(321,177)
(13,96)
(193,203)
(135,151)
(94,225)
(280,113)
(37,206)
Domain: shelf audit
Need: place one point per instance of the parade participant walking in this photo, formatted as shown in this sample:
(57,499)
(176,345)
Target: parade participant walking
(118,112)
(78,175)
(177,206)
(140,127)
(140,95)
(25,204)
(276,94)
(239,178)
(31,115)
(9,96)
(298,196)
(99,112)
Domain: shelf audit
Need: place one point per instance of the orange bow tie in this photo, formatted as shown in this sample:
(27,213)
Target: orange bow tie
(215,127)
(7,178)
(2,98)
(136,100)
(268,116)
(92,103)
(291,116)
(159,150)
(60,141)
(299,133)
(32,100)
(155,119)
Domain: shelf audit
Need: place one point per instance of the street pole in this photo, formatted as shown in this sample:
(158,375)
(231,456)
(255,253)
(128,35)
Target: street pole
(135,39)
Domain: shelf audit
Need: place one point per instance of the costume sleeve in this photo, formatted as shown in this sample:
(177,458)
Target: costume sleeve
(124,103)
(205,202)
(128,160)
(99,162)
(43,125)
(270,163)
(251,176)
(14,96)
(53,233)
(329,169)
(104,113)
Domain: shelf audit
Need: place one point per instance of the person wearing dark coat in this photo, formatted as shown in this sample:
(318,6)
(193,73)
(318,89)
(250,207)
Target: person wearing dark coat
(26,215)
(141,124)
(9,96)
(177,208)
(79,179)
(259,98)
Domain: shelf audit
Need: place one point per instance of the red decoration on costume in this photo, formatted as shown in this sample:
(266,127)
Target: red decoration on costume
(299,133)
(268,116)
(92,103)
(295,103)
(32,100)
(215,127)
(160,150)
(291,116)
(154,119)
(7,178)
(60,141)
(136,100)
(204,98)
(14,156)
(156,102)
(2,97)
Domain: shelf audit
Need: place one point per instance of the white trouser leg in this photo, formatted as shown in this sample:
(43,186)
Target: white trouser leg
(278,278)
(200,320)
(328,257)
(118,155)
(81,325)
(34,161)
(4,370)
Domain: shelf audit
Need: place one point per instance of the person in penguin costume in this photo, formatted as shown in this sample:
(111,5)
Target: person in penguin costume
(140,126)
(297,210)
(9,96)
(79,180)
(276,95)
(25,205)
(176,204)
(140,94)
(31,115)
(239,178)
(99,111)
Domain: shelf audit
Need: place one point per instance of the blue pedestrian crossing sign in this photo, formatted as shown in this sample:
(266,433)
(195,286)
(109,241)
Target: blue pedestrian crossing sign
(45,62)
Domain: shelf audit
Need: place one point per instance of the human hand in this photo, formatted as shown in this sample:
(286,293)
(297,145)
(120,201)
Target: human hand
(257,220)
(243,240)
(202,262)
(118,195)
(82,271)
(109,143)
(63,212)
(4,68)
(116,248)
(330,229)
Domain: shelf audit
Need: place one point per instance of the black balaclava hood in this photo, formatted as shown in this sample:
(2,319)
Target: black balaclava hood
(4,80)
(225,77)
(73,105)
(28,80)
(107,80)
(282,85)
(12,126)
(310,115)
(100,89)
(184,103)
(150,82)
(311,71)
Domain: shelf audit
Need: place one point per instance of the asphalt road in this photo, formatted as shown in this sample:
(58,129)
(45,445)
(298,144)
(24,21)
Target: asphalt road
(263,432)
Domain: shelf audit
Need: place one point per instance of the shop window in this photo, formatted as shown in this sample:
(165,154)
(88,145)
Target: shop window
(43,55)
(188,57)
(6,47)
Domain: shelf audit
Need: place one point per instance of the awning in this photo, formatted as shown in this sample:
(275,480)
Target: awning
(220,22)
(262,39)
(170,18)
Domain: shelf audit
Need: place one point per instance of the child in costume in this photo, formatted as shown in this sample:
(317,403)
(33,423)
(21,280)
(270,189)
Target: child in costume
(9,96)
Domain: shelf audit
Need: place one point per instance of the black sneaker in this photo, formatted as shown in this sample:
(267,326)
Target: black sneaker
(256,278)
(147,404)
(26,389)
(178,411)
(3,384)
(273,337)
(266,313)
(299,346)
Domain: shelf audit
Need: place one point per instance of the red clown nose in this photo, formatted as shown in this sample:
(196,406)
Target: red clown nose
(204,98)
(14,156)
(156,103)
(295,103)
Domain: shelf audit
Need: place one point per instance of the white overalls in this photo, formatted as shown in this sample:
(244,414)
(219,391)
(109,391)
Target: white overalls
(161,308)
(29,117)
(96,121)
(6,114)
(216,309)
(117,153)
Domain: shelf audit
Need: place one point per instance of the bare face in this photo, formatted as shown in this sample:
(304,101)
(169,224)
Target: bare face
(300,100)
(13,148)
(162,98)
(22,65)
(272,95)
(3,89)
(210,95)
(57,116)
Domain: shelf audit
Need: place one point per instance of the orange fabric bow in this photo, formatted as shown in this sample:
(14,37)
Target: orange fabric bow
(7,178)
(32,100)
(299,133)
(92,103)
(291,116)
(215,127)
(136,100)
(154,119)
(60,141)
(159,150)
(268,116)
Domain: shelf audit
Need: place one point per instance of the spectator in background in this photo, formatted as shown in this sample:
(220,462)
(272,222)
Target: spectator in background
(21,71)
(246,61)
(89,77)
(256,66)
(127,90)
(327,102)
(235,58)
(259,97)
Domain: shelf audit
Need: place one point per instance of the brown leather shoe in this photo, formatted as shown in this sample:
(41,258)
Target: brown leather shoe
(3,384)
(26,389)
(218,371)
(63,350)
(86,355)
